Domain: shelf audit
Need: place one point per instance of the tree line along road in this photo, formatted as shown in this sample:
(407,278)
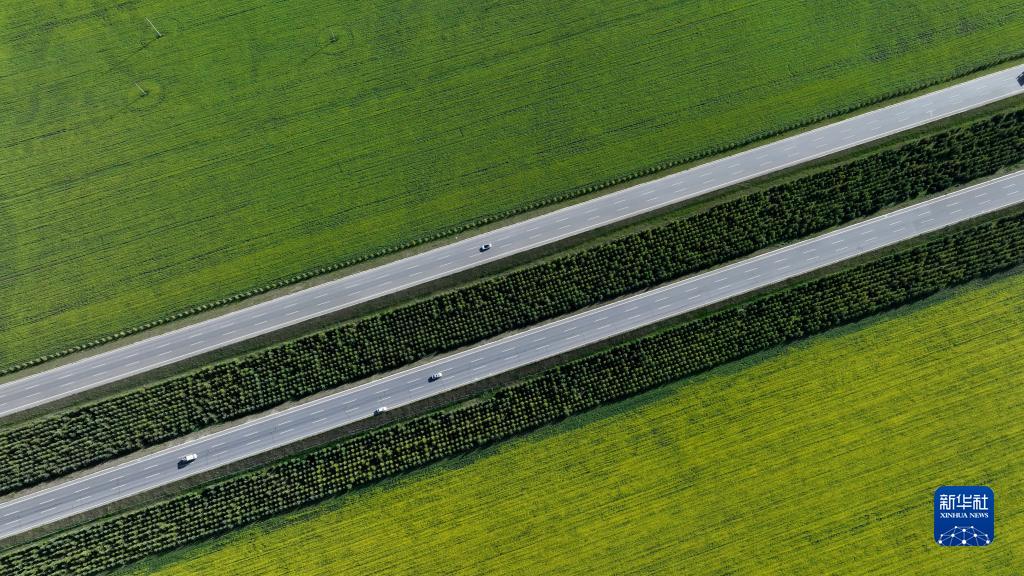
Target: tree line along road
(504,354)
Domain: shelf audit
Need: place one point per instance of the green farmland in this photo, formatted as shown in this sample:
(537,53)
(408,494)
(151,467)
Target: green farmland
(141,175)
(820,458)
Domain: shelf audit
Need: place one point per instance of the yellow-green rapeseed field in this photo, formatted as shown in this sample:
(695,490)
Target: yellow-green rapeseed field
(820,458)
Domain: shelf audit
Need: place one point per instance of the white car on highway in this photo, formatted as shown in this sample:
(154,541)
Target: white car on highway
(436,376)
(380,410)
(189,458)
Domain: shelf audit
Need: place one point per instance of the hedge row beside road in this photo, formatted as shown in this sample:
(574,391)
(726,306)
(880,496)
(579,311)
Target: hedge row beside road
(606,376)
(51,446)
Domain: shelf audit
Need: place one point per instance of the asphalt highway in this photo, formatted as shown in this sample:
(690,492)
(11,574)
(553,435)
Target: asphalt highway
(504,354)
(229,328)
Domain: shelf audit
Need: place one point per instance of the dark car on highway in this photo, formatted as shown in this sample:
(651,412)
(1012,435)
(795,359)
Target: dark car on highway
(1020,79)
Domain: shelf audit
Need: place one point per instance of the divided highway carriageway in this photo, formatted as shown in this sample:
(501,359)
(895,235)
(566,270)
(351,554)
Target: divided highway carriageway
(229,328)
(504,354)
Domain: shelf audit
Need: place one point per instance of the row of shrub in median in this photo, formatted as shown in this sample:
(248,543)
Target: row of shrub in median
(74,439)
(605,376)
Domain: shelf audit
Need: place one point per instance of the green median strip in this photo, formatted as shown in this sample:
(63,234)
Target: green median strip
(51,446)
(618,372)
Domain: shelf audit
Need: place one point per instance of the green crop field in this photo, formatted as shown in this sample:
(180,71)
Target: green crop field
(820,458)
(140,175)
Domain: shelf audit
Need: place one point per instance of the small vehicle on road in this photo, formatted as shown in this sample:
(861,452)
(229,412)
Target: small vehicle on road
(1020,79)
(435,376)
(485,247)
(380,410)
(187,458)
